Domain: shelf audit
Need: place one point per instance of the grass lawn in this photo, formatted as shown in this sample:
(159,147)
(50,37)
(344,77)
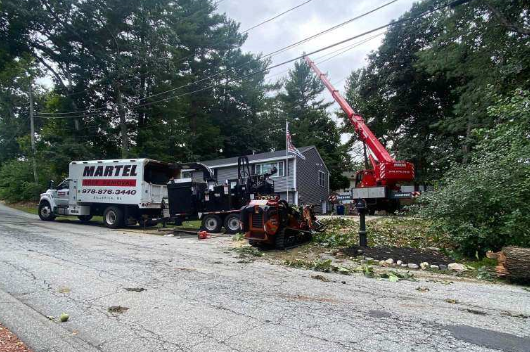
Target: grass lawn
(31,208)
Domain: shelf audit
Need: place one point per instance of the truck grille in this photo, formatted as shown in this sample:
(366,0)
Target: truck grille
(257,220)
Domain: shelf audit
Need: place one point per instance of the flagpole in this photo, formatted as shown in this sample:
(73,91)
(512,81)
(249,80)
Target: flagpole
(287,158)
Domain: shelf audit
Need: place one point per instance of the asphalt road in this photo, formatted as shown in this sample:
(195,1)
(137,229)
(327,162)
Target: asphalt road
(198,297)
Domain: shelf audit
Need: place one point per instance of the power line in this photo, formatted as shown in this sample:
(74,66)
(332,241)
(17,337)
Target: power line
(329,29)
(276,16)
(393,23)
(278,51)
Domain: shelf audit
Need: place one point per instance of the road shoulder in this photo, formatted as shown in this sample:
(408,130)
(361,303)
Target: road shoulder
(37,331)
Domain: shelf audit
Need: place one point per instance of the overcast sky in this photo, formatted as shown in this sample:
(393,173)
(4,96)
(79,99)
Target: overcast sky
(311,18)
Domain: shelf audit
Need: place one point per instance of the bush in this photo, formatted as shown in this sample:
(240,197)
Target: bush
(17,183)
(484,205)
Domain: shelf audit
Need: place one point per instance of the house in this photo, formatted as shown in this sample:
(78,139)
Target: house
(306,180)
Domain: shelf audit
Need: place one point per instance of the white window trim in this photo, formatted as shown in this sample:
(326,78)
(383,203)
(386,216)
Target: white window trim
(277,163)
(320,172)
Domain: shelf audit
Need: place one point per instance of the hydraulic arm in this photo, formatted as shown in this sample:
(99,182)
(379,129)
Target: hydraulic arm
(386,170)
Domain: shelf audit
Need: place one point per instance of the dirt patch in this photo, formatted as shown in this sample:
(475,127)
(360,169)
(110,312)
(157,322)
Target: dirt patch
(405,254)
(134,289)
(320,277)
(117,309)
(309,298)
(9,342)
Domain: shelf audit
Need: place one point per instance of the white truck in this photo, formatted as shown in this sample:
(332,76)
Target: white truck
(123,191)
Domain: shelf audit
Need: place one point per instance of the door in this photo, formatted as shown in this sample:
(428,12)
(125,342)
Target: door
(63,192)
(324,207)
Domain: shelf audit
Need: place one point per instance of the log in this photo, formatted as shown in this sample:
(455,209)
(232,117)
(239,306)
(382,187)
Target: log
(513,263)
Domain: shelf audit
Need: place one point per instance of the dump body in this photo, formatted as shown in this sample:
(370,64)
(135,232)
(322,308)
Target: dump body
(140,182)
(122,191)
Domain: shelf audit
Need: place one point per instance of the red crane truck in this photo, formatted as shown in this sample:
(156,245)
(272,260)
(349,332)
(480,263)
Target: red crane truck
(379,186)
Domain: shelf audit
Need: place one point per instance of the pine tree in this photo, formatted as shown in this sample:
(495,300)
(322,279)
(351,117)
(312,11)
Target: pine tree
(311,123)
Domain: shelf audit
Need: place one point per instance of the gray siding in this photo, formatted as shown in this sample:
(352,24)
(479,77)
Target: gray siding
(309,190)
(307,181)
(280,182)
(226,173)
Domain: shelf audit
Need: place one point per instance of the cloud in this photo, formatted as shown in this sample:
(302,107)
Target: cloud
(307,20)
(310,19)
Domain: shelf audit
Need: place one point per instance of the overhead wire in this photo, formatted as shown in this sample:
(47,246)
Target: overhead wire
(276,16)
(392,23)
(278,51)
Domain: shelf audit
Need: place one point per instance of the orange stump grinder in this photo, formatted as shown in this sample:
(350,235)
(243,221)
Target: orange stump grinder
(275,223)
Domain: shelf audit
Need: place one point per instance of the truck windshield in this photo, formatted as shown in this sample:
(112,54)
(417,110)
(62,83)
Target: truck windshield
(63,185)
(157,173)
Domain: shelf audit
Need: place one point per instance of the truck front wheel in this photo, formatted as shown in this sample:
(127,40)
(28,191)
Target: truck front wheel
(45,211)
(113,217)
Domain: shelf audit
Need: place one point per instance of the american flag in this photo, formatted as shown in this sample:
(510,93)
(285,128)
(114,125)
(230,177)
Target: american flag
(291,149)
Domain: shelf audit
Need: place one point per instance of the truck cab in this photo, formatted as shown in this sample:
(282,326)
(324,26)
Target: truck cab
(61,200)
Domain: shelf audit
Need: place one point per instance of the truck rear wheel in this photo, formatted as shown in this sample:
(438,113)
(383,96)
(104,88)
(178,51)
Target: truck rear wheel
(113,217)
(212,223)
(232,223)
(45,211)
(84,218)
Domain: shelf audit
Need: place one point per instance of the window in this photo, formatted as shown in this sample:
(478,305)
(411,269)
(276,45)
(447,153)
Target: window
(261,169)
(321,179)
(186,174)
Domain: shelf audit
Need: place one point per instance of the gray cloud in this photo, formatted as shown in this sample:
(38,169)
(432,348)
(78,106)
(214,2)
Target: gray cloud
(309,19)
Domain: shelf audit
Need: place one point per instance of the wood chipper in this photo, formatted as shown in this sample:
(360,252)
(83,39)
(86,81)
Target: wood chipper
(275,223)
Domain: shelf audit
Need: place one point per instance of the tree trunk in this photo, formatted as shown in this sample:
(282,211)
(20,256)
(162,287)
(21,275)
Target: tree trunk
(123,125)
(466,148)
(513,263)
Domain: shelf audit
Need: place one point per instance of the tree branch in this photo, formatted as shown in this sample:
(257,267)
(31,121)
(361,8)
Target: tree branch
(505,22)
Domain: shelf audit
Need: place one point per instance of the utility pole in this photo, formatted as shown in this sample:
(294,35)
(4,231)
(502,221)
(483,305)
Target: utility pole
(32,129)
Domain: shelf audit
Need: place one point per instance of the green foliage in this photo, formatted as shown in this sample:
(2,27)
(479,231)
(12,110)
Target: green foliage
(17,182)
(310,122)
(395,232)
(428,85)
(484,205)
(323,265)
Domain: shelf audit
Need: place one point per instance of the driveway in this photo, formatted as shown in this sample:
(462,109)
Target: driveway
(181,294)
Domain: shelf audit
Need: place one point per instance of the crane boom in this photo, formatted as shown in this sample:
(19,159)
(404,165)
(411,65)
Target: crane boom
(365,134)
(387,173)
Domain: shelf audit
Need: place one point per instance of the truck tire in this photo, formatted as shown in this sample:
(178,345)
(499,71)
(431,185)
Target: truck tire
(45,211)
(212,223)
(231,223)
(84,218)
(113,217)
